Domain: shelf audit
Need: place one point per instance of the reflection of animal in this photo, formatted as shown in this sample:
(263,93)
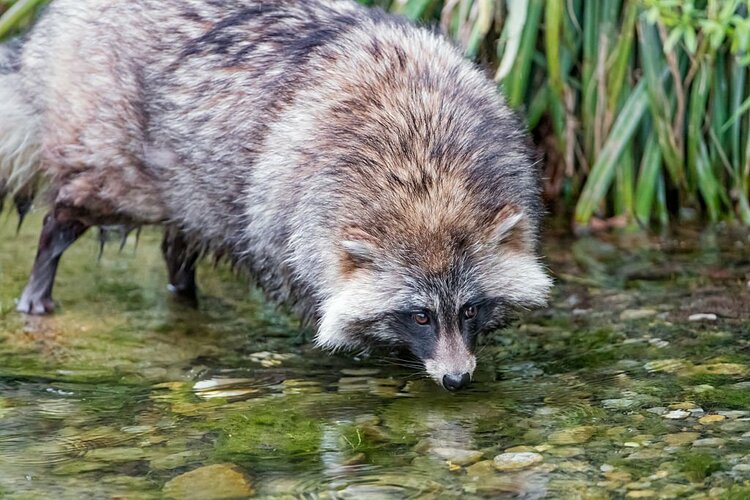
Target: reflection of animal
(356,165)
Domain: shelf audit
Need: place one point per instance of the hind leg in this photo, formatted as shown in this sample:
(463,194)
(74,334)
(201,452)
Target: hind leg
(181,259)
(58,233)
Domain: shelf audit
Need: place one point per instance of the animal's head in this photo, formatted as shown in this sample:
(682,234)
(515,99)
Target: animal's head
(434,285)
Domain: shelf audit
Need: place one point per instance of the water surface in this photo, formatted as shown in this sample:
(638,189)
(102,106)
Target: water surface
(635,383)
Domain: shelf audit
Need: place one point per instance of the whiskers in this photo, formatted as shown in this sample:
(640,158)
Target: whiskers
(416,368)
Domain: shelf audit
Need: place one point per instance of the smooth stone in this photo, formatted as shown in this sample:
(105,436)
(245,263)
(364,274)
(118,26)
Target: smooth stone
(518,449)
(457,456)
(212,482)
(703,317)
(665,365)
(677,415)
(735,369)
(119,454)
(620,404)
(733,414)
(574,435)
(636,314)
(567,452)
(712,442)
(78,467)
(646,454)
(711,419)
(516,461)
(687,405)
(681,438)
(428,444)
(641,494)
(480,469)
(174,460)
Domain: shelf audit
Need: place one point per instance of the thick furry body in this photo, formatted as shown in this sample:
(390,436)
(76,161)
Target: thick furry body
(355,164)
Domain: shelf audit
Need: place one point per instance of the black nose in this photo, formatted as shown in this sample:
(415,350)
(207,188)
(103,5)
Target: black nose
(454,382)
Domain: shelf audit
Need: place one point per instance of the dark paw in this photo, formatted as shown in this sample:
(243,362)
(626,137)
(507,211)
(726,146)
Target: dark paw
(37,306)
(186,296)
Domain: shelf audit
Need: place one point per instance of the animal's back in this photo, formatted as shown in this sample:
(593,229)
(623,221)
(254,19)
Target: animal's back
(118,84)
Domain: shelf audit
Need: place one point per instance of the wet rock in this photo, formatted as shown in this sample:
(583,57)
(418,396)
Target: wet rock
(677,415)
(733,369)
(78,467)
(567,452)
(636,314)
(481,469)
(119,454)
(711,419)
(685,405)
(665,365)
(641,494)
(522,448)
(212,482)
(574,435)
(174,460)
(457,456)
(646,454)
(426,445)
(681,438)
(734,414)
(709,442)
(620,404)
(516,461)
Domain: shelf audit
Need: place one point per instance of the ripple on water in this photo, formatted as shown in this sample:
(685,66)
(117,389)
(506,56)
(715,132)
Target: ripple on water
(123,392)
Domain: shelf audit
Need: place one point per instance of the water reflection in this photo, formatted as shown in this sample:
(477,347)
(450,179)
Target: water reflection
(635,383)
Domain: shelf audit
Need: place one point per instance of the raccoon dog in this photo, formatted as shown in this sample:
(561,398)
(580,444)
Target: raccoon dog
(354,164)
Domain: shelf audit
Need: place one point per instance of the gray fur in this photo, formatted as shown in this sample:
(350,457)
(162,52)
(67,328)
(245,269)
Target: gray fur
(353,163)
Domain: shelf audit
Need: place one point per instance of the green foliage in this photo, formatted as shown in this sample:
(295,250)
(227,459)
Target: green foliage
(698,466)
(642,106)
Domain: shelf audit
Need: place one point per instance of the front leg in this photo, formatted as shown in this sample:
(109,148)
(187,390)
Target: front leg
(58,233)
(181,259)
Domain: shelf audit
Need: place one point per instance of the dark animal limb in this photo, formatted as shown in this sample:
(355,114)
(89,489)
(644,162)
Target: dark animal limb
(23,201)
(181,259)
(58,233)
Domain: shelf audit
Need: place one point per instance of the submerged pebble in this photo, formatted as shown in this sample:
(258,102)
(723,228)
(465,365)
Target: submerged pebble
(574,435)
(457,456)
(709,442)
(711,419)
(702,317)
(212,482)
(677,414)
(516,461)
(636,314)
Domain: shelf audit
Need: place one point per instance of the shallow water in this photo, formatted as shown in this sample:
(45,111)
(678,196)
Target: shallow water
(617,390)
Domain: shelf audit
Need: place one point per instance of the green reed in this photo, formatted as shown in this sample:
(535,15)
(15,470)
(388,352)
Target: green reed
(642,107)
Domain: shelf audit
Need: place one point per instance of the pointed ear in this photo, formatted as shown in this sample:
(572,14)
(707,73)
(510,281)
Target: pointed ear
(359,249)
(510,228)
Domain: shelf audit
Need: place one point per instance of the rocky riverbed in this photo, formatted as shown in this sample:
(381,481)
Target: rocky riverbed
(634,383)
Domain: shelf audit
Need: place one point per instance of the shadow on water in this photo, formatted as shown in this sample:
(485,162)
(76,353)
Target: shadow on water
(635,382)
